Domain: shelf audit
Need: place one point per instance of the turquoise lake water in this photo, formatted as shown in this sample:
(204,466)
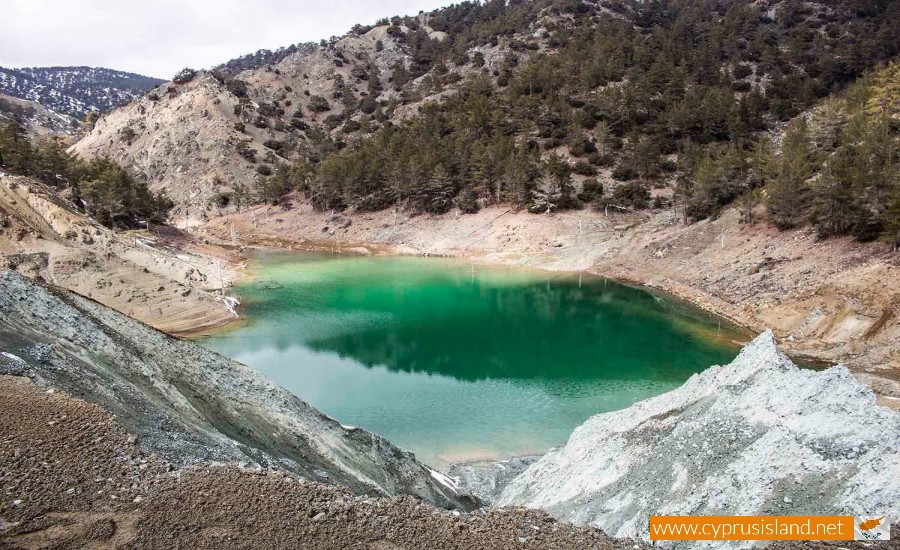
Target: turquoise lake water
(457,361)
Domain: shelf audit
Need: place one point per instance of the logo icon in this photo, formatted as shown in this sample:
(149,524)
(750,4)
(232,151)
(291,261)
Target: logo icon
(871,528)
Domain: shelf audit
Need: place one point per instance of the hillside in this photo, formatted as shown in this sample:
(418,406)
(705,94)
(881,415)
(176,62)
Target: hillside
(169,282)
(521,101)
(189,405)
(212,506)
(733,154)
(74,91)
(35,118)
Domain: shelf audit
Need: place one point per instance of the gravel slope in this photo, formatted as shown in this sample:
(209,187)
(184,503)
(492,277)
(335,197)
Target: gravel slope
(71,477)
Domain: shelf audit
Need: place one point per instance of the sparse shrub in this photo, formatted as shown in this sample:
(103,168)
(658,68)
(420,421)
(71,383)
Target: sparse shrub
(368,105)
(624,172)
(467,202)
(319,104)
(333,121)
(583,168)
(237,87)
(184,76)
(631,195)
(591,191)
(359,73)
(245,150)
(127,134)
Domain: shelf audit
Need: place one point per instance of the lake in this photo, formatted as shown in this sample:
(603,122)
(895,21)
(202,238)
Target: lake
(456,361)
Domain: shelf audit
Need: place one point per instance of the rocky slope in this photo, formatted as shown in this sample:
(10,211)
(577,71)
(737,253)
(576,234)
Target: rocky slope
(189,405)
(756,437)
(207,140)
(180,138)
(74,478)
(74,91)
(208,135)
(175,287)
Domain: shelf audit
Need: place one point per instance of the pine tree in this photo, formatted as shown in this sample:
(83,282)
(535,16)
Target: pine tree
(833,199)
(828,120)
(788,190)
(891,232)
(440,191)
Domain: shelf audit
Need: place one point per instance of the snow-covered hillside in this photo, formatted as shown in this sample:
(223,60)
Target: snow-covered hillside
(75,91)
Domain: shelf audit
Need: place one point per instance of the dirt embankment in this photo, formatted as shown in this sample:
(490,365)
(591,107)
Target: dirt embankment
(73,478)
(834,300)
(169,281)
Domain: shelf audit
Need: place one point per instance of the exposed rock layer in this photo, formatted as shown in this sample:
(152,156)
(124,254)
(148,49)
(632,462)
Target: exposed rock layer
(757,437)
(43,236)
(73,478)
(189,404)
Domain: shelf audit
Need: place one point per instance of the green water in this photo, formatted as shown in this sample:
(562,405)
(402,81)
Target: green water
(455,361)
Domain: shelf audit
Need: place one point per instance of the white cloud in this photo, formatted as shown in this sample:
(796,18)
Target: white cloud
(159,37)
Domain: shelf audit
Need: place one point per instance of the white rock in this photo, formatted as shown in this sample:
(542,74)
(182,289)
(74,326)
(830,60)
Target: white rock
(769,433)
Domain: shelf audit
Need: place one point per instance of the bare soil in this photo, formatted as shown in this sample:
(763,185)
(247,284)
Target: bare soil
(73,478)
(159,276)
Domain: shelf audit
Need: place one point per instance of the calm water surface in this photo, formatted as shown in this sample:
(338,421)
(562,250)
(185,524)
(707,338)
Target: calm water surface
(455,361)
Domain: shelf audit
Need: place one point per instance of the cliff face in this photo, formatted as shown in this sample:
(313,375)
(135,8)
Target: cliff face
(757,437)
(190,405)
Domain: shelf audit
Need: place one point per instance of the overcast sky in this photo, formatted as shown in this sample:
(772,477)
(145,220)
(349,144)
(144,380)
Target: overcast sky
(159,37)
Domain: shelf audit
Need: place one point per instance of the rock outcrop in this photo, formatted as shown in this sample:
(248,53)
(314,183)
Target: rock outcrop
(757,437)
(176,288)
(190,405)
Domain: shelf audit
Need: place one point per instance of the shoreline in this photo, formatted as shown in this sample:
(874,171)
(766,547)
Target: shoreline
(244,273)
(751,277)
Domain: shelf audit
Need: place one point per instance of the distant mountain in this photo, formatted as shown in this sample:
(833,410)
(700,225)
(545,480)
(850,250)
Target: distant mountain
(75,91)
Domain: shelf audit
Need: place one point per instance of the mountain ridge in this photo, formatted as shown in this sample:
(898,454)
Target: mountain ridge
(613,89)
(75,91)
